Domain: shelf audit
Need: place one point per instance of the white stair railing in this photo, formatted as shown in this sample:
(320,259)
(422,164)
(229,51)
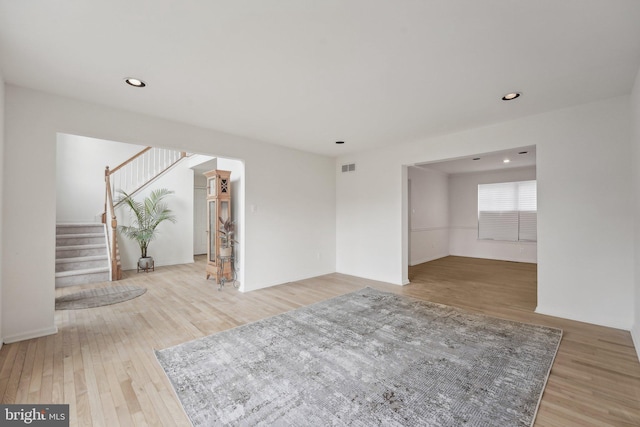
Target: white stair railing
(138,171)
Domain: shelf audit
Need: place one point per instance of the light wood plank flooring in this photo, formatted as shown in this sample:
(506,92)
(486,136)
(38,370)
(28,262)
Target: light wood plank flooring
(102,362)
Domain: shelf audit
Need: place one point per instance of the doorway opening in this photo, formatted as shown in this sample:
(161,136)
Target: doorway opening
(442,216)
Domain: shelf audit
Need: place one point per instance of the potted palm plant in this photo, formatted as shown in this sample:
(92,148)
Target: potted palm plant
(147,215)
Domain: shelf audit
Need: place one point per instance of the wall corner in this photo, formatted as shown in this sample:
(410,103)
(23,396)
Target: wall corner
(635,336)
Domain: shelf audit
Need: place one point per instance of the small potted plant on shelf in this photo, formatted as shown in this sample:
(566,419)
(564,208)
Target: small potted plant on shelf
(227,230)
(147,215)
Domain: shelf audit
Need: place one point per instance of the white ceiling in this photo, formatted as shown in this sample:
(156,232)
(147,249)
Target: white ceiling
(304,73)
(518,158)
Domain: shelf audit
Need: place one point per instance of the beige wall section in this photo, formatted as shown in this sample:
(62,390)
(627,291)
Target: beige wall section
(428,215)
(173,243)
(463,208)
(635,141)
(80,164)
(290,235)
(585,212)
(2,169)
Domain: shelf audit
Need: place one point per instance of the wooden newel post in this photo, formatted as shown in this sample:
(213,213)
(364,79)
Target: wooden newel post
(108,208)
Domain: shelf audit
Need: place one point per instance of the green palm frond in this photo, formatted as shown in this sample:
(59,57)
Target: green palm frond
(147,215)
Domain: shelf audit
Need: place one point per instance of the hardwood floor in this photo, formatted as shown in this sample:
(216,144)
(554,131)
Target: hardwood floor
(102,362)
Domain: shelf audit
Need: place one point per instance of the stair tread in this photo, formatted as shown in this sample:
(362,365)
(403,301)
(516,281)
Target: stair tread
(80,272)
(79,224)
(80,235)
(79,247)
(81,258)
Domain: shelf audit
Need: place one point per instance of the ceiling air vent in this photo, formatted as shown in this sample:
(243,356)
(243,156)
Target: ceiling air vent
(349,168)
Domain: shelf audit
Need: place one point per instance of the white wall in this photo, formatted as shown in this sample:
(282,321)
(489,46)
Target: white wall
(463,208)
(290,235)
(635,110)
(174,241)
(429,213)
(585,243)
(200,220)
(2,299)
(80,164)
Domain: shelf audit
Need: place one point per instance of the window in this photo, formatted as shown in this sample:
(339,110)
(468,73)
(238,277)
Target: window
(508,211)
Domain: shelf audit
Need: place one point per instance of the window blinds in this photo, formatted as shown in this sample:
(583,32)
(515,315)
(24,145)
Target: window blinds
(507,211)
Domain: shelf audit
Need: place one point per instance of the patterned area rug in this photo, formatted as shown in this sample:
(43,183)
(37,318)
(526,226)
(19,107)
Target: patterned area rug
(366,358)
(98,297)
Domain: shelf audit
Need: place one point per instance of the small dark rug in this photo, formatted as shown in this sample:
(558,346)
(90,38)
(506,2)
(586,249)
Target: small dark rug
(368,358)
(98,297)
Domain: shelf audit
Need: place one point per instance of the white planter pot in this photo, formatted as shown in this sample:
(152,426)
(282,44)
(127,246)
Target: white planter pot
(145,263)
(226,251)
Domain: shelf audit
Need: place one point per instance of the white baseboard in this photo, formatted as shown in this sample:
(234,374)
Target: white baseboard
(571,316)
(635,335)
(31,334)
(423,260)
(256,286)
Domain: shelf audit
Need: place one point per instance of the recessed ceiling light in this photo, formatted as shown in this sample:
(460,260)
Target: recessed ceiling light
(135,82)
(476,158)
(510,96)
(523,152)
(339,142)
(506,161)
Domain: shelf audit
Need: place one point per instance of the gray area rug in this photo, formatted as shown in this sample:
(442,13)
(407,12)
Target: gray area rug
(368,358)
(98,297)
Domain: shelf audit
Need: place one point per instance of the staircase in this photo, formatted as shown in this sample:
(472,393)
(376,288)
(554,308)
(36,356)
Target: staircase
(81,254)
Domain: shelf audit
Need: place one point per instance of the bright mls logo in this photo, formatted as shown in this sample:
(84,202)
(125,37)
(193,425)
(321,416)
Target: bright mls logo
(34,415)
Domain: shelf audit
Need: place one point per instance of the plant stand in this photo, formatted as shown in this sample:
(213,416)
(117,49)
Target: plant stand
(150,266)
(231,270)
